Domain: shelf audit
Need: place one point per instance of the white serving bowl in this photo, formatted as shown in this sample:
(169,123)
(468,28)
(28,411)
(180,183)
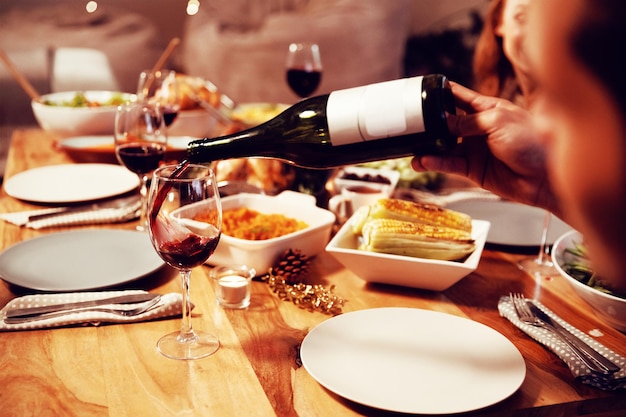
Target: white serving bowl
(345,178)
(428,274)
(253,114)
(262,254)
(196,123)
(77,121)
(609,308)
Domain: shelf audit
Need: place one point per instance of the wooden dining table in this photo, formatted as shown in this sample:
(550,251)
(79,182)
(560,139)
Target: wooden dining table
(114,369)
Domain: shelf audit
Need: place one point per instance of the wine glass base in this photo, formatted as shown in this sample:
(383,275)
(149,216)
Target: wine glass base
(201,345)
(535,267)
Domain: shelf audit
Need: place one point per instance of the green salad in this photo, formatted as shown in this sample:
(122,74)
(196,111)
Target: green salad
(409,178)
(577,264)
(80,100)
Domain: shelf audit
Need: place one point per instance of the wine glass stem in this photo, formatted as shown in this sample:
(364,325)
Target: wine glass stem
(143,211)
(186,331)
(541,257)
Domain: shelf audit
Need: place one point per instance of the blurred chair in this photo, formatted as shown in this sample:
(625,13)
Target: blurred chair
(82,69)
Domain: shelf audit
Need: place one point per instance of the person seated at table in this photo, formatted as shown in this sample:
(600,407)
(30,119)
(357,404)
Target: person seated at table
(569,156)
(499,65)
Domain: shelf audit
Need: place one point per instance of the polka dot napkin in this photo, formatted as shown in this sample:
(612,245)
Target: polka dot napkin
(169,305)
(558,347)
(99,216)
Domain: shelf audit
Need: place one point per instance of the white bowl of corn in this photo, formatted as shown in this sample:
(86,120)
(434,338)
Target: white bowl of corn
(410,244)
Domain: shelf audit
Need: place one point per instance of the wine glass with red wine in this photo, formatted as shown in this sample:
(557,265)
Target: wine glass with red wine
(185,221)
(304,68)
(160,88)
(140,144)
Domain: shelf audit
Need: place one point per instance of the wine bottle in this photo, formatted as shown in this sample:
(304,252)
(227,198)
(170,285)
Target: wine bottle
(379,121)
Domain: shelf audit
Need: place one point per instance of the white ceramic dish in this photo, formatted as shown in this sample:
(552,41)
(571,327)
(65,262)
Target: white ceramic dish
(79,260)
(609,308)
(262,254)
(363,173)
(197,123)
(89,149)
(428,274)
(512,224)
(413,361)
(101,148)
(253,114)
(77,121)
(71,183)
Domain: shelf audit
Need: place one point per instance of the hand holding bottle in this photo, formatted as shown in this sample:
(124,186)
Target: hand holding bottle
(501,150)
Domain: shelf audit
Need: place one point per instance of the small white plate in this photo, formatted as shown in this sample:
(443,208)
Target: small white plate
(106,143)
(413,361)
(71,183)
(512,224)
(79,260)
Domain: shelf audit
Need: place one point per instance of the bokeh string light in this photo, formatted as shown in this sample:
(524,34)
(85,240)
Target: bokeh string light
(192,7)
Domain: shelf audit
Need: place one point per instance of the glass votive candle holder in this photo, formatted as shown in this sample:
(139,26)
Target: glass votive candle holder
(232,285)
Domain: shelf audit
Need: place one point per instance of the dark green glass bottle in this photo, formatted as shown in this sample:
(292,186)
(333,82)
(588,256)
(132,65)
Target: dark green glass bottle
(379,121)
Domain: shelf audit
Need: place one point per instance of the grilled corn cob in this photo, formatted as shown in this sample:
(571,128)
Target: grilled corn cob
(413,229)
(400,237)
(391,208)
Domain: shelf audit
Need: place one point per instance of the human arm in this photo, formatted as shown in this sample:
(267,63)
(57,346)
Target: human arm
(501,150)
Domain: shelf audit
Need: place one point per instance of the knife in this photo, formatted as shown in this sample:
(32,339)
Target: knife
(590,352)
(115,203)
(122,299)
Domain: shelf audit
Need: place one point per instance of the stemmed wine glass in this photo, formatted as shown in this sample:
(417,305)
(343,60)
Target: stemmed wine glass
(185,219)
(540,265)
(304,68)
(140,144)
(160,88)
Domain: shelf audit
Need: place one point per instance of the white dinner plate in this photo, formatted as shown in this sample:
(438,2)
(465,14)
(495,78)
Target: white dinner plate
(71,183)
(79,260)
(106,143)
(512,224)
(413,361)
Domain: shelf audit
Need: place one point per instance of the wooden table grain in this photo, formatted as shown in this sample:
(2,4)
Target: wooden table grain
(115,371)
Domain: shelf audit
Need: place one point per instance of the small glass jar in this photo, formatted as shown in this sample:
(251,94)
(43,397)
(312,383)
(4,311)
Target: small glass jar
(232,285)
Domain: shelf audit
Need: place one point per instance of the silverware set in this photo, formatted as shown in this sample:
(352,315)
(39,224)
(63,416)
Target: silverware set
(125,305)
(125,205)
(529,313)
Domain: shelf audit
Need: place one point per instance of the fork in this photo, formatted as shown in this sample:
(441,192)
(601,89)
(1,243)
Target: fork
(527,316)
(125,312)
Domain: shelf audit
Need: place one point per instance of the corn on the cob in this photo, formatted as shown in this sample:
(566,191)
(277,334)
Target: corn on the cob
(415,239)
(390,208)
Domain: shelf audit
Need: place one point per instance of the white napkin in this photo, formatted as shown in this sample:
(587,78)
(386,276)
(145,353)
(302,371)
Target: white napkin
(99,216)
(558,347)
(169,305)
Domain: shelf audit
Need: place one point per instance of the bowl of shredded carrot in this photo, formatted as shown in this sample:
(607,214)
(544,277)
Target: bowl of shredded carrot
(257,229)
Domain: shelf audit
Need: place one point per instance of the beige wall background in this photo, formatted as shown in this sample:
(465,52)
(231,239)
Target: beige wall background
(169,15)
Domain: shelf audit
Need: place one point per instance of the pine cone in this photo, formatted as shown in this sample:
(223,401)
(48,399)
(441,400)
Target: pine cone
(292,267)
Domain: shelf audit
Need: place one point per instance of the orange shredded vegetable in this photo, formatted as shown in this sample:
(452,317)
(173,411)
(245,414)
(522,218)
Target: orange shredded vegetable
(244,223)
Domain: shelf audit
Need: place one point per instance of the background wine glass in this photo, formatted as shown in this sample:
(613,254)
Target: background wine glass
(160,88)
(140,144)
(541,265)
(304,68)
(185,218)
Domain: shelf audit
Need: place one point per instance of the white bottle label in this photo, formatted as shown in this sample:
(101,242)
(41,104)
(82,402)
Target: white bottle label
(375,111)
